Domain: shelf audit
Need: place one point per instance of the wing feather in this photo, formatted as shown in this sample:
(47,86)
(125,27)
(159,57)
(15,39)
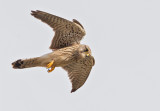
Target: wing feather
(78,72)
(67,32)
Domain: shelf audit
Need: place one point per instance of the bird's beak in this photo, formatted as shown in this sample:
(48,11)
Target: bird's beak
(88,54)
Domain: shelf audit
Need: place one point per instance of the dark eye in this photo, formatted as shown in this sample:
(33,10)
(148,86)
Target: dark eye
(86,50)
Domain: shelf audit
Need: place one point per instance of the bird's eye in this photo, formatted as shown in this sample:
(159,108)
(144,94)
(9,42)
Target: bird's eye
(86,50)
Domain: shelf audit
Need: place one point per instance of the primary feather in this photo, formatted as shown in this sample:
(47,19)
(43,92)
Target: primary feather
(67,32)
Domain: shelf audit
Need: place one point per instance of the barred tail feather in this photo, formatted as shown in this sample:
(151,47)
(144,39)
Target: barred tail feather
(26,63)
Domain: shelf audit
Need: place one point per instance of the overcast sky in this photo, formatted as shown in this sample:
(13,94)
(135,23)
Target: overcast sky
(124,36)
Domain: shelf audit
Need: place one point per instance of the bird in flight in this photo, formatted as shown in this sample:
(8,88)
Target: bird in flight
(67,53)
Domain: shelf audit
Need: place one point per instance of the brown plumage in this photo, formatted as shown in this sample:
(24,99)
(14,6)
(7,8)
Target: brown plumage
(68,53)
(67,33)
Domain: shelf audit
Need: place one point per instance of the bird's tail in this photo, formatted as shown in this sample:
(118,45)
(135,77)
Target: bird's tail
(41,61)
(27,63)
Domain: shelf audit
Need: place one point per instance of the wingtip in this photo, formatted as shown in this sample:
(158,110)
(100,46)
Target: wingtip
(73,90)
(34,12)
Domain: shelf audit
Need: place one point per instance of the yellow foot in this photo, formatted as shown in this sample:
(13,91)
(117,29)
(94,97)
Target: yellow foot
(51,69)
(50,66)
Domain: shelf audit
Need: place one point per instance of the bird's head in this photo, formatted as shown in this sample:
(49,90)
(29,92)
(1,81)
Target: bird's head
(84,51)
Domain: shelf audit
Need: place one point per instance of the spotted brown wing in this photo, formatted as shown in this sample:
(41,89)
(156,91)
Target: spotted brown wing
(67,32)
(78,72)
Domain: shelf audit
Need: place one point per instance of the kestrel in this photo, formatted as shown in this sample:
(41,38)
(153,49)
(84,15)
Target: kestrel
(67,53)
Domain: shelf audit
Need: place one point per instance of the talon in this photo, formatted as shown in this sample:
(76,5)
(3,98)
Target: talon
(51,69)
(49,65)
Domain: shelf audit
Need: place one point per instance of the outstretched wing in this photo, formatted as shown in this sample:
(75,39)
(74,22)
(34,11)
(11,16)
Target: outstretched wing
(67,32)
(78,72)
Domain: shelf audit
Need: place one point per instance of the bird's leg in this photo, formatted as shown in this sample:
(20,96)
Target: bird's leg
(50,66)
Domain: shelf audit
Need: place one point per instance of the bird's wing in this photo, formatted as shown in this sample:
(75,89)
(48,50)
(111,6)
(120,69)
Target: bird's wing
(67,32)
(78,72)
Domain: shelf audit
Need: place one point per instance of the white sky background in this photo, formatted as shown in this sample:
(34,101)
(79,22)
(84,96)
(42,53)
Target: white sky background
(124,36)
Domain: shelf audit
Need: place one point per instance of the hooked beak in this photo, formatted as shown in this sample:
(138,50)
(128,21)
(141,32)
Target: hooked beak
(88,54)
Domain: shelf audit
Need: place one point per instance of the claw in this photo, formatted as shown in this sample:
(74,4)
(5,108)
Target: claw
(50,66)
(51,69)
